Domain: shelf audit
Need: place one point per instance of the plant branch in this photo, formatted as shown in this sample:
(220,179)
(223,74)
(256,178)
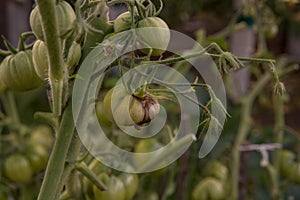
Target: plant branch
(56,163)
(11,106)
(278,131)
(205,53)
(71,161)
(245,124)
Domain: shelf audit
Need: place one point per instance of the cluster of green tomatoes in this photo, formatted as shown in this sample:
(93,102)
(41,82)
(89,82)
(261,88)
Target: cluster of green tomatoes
(80,28)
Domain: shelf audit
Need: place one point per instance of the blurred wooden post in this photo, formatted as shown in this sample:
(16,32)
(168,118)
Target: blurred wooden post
(293,44)
(242,43)
(17,19)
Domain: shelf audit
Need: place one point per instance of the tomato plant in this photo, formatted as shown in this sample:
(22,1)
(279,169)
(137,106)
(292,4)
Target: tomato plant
(67,157)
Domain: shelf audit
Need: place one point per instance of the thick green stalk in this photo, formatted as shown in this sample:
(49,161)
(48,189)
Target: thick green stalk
(71,161)
(57,66)
(56,163)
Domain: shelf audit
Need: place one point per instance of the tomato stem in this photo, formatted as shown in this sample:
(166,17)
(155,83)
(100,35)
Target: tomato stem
(245,124)
(139,9)
(55,168)
(204,52)
(71,160)
(161,5)
(11,106)
(57,67)
(278,131)
(4,53)
(48,118)
(82,167)
(21,45)
(9,46)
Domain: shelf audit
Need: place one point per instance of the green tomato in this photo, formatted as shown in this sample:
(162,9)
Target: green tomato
(115,188)
(42,135)
(101,115)
(37,156)
(40,59)
(131,183)
(122,22)
(155,38)
(217,170)
(66,19)
(286,161)
(134,115)
(208,188)
(17,168)
(74,56)
(148,145)
(107,105)
(295,171)
(18,73)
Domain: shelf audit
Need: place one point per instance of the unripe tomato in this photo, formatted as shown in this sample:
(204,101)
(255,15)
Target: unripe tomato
(17,168)
(122,22)
(136,112)
(208,188)
(18,73)
(74,56)
(131,183)
(295,173)
(42,135)
(217,170)
(145,146)
(115,188)
(37,156)
(40,59)
(155,38)
(101,115)
(66,19)
(107,105)
(286,161)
